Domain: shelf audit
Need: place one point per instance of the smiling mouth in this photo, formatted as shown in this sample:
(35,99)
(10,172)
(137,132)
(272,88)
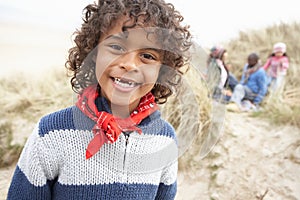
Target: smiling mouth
(125,83)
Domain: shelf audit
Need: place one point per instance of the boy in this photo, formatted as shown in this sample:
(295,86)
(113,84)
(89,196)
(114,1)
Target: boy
(113,144)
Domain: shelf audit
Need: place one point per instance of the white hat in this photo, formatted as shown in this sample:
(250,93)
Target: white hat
(279,47)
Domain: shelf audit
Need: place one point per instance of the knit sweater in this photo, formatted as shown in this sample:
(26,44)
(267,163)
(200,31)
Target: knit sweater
(277,65)
(52,164)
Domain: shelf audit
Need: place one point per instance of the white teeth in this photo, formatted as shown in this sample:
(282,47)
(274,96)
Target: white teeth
(121,83)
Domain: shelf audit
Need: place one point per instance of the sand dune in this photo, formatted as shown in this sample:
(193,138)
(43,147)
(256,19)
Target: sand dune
(32,48)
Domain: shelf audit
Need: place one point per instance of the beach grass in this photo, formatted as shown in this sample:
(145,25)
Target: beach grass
(26,98)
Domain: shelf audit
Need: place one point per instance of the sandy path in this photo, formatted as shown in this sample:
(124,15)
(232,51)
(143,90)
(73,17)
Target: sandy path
(252,160)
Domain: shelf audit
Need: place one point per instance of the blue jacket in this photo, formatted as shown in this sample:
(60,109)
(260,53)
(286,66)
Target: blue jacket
(257,82)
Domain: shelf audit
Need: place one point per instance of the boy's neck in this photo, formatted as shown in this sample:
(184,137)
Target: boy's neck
(123,111)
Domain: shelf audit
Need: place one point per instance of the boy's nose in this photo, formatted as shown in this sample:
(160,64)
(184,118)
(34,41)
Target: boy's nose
(129,61)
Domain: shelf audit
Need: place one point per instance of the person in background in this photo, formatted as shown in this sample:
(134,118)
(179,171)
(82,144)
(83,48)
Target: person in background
(251,90)
(231,83)
(232,80)
(276,67)
(217,73)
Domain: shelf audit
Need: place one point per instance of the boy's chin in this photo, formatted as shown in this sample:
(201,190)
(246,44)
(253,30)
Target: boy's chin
(124,101)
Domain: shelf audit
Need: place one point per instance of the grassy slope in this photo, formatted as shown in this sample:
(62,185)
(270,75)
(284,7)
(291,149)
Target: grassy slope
(283,109)
(25,100)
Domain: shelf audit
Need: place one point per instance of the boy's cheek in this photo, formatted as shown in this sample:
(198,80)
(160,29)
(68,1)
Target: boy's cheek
(102,63)
(151,72)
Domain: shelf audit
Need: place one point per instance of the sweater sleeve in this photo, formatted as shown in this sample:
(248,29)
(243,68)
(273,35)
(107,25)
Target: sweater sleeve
(168,187)
(261,83)
(31,179)
(267,64)
(285,63)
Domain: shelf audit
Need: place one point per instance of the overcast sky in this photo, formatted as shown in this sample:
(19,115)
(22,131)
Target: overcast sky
(211,21)
(35,31)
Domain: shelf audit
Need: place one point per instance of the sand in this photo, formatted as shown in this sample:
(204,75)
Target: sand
(252,160)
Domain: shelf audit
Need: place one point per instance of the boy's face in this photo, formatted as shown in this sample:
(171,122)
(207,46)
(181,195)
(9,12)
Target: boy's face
(127,65)
(252,60)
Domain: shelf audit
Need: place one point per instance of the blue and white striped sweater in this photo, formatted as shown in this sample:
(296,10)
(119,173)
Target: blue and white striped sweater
(53,165)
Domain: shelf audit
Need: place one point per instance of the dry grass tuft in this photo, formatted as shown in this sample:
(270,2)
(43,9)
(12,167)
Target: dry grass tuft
(9,153)
(24,99)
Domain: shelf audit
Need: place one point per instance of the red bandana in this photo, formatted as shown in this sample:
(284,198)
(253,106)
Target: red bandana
(108,127)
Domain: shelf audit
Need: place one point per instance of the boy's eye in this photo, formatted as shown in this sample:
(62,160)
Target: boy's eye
(148,56)
(116,47)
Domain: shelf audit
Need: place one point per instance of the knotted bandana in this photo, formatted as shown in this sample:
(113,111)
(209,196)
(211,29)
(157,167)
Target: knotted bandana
(108,127)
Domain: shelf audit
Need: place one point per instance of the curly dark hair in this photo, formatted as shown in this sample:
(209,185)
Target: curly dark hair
(98,18)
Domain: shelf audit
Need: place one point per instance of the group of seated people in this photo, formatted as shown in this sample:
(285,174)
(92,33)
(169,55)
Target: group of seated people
(248,93)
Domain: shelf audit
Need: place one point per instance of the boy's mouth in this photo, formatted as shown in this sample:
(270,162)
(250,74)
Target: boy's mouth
(125,83)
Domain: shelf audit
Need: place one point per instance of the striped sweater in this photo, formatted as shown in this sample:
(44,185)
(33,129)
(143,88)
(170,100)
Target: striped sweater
(52,164)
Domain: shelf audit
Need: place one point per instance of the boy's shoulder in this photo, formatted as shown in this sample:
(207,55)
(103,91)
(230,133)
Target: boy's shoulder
(64,119)
(156,125)
(261,71)
(71,118)
(169,130)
